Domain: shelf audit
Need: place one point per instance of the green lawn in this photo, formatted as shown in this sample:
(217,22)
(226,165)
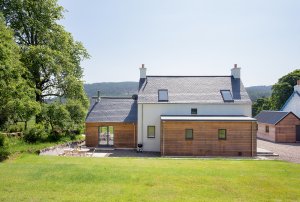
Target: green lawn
(46,178)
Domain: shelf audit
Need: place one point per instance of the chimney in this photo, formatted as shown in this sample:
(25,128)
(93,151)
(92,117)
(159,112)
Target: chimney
(236,72)
(98,96)
(297,87)
(143,72)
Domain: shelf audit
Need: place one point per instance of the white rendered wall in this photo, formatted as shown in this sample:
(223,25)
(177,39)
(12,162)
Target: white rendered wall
(149,115)
(293,105)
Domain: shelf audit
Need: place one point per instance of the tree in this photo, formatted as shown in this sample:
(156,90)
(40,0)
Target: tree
(13,87)
(26,110)
(261,104)
(57,116)
(283,89)
(49,53)
(76,111)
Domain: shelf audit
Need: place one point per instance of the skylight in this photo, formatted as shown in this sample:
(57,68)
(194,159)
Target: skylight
(163,95)
(227,96)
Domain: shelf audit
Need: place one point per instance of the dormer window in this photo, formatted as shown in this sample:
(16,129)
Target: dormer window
(163,95)
(227,96)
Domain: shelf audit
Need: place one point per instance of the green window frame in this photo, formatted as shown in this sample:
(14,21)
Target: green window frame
(222,134)
(151,132)
(189,134)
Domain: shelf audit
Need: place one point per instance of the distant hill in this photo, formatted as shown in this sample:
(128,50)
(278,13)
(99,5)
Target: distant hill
(129,88)
(111,88)
(256,92)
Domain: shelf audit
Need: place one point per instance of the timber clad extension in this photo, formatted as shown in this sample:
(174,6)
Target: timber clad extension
(277,126)
(118,113)
(124,134)
(240,138)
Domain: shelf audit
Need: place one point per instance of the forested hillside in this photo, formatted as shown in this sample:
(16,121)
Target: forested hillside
(129,88)
(111,88)
(256,92)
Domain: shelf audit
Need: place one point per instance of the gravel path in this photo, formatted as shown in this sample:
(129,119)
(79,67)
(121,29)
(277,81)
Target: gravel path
(286,151)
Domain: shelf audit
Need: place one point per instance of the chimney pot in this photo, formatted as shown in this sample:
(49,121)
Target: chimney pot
(235,65)
(143,65)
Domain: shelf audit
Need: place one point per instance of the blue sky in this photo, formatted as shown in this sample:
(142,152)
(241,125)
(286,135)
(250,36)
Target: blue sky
(186,37)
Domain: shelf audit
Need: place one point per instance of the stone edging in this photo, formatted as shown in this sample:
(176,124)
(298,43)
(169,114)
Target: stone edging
(77,143)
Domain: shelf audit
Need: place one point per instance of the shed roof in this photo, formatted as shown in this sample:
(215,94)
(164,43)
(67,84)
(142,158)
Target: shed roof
(271,117)
(192,89)
(113,109)
(206,118)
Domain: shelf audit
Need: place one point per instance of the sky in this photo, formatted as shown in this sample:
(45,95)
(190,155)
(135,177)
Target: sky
(186,37)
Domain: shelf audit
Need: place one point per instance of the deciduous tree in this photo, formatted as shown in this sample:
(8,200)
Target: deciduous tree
(14,89)
(50,54)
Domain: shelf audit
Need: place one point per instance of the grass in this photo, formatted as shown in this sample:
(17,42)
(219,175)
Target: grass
(45,178)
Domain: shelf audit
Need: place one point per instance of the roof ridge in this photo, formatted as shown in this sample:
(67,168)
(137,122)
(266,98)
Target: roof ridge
(116,97)
(189,76)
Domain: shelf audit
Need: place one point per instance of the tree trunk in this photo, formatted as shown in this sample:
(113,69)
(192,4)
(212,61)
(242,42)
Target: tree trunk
(39,99)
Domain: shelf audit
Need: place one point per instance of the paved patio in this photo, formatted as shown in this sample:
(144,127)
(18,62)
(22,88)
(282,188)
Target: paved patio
(105,153)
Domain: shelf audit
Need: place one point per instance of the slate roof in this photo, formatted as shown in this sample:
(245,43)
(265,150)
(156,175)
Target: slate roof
(271,117)
(192,89)
(113,109)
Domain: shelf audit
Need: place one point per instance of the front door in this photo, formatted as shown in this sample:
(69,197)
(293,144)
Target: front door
(298,133)
(106,135)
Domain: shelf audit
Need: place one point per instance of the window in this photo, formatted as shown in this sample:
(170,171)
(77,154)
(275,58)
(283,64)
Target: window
(267,129)
(188,134)
(226,94)
(151,132)
(194,111)
(222,134)
(163,96)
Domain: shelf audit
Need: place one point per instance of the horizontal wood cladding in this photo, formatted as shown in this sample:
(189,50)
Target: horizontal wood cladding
(284,131)
(124,134)
(205,139)
(261,132)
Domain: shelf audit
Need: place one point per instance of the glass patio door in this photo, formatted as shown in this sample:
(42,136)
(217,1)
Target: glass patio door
(106,136)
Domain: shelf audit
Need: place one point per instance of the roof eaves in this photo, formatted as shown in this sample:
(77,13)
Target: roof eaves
(286,116)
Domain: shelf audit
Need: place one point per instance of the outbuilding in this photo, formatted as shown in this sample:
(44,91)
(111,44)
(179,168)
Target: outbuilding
(278,126)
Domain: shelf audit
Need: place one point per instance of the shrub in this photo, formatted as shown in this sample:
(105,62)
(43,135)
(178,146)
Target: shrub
(15,128)
(55,136)
(35,134)
(2,140)
(3,149)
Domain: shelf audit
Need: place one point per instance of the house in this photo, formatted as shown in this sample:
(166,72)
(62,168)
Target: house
(181,116)
(278,126)
(293,103)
